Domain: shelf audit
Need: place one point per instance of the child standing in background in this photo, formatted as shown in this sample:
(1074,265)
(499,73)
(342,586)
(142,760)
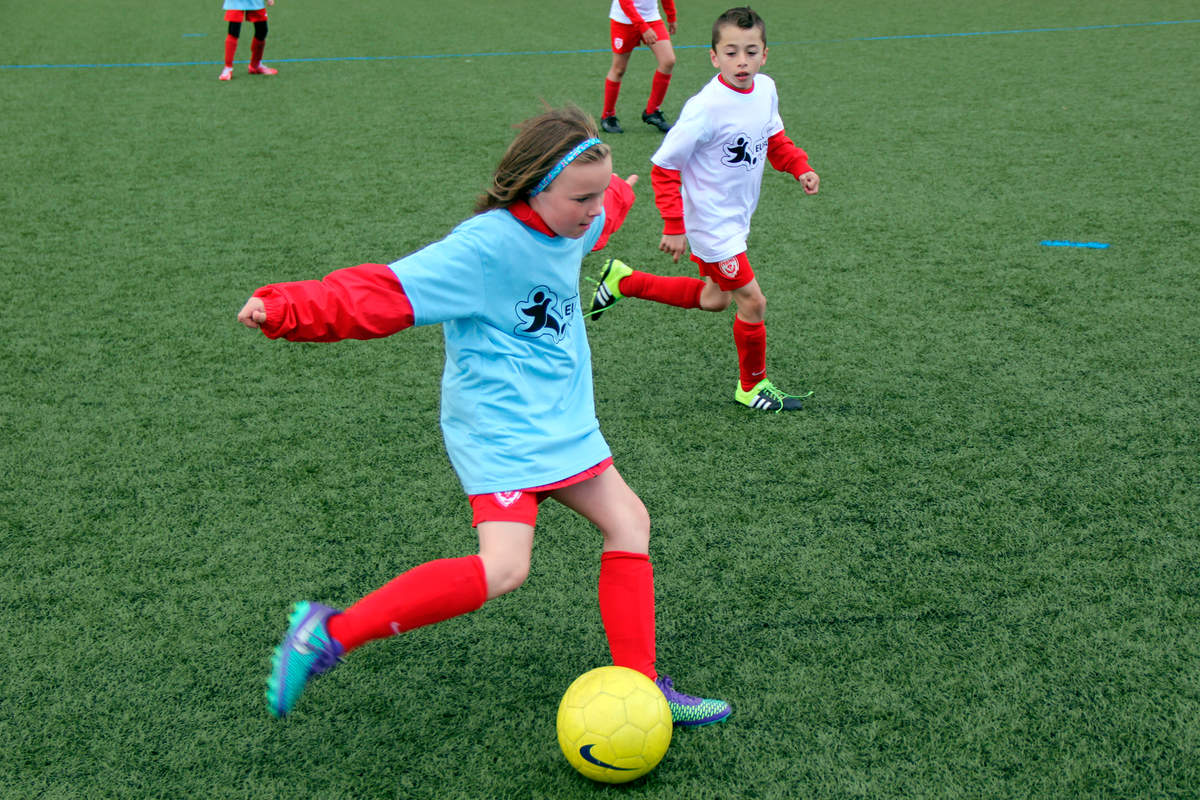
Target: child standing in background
(517,408)
(707,176)
(634,22)
(237,12)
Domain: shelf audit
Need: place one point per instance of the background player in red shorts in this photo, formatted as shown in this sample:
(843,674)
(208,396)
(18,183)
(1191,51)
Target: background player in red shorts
(237,12)
(634,22)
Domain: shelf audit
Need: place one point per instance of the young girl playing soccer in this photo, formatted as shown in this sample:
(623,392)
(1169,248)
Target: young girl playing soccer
(634,22)
(237,12)
(517,408)
(716,154)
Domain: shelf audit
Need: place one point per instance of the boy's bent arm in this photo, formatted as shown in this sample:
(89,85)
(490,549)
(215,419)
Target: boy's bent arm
(363,302)
(785,156)
(634,17)
(668,197)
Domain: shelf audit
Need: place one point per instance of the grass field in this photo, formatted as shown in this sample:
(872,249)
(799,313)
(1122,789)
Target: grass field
(969,569)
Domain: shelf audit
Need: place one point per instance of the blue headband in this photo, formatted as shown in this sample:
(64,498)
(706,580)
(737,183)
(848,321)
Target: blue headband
(576,151)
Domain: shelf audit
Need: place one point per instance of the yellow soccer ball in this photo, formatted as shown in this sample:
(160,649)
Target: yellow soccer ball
(614,725)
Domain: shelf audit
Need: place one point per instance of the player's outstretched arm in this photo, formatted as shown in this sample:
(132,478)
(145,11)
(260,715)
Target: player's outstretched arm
(362,302)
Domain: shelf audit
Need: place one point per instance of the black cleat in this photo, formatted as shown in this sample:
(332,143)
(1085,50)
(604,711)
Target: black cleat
(657,120)
(610,125)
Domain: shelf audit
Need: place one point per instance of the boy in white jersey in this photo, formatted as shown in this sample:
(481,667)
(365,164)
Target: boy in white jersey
(634,22)
(707,175)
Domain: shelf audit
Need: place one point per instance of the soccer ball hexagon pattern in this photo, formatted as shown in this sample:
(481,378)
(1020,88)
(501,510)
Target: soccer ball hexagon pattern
(614,725)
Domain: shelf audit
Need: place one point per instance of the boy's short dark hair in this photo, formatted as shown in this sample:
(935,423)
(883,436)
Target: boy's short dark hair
(743,17)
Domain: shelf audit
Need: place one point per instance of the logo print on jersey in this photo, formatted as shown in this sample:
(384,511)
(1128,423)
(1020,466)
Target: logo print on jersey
(543,314)
(738,152)
(729,267)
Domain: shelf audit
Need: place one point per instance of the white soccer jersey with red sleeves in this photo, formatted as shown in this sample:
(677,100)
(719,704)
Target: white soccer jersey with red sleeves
(646,9)
(719,148)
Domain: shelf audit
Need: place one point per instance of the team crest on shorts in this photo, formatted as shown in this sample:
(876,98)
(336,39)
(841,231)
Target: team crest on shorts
(618,42)
(506,499)
(729,267)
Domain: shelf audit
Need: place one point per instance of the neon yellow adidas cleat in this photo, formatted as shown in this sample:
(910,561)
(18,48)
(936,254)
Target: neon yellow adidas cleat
(764,396)
(608,289)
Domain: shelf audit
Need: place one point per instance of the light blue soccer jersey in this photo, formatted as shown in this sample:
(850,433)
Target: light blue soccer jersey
(517,404)
(244,5)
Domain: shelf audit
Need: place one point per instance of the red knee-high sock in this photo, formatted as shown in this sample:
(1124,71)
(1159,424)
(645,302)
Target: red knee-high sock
(751,341)
(231,43)
(432,592)
(627,609)
(611,90)
(658,90)
(256,51)
(673,290)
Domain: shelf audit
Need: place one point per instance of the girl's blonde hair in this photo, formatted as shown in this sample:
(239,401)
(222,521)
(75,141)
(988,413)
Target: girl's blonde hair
(541,142)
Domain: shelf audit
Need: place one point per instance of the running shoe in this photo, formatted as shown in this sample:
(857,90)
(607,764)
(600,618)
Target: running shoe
(608,289)
(691,711)
(766,397)
(307,651)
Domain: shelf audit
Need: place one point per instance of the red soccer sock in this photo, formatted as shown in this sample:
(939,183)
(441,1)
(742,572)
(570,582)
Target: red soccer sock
(627,609)
(256,51)
(673,290)
(231,43)
(751,341)
(611,90)
(658,90)
(432,592)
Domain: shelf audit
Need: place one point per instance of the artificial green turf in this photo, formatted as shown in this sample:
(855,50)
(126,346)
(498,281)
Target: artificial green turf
(968,569)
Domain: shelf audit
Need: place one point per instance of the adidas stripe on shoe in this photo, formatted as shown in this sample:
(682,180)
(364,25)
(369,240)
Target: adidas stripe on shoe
(764,396)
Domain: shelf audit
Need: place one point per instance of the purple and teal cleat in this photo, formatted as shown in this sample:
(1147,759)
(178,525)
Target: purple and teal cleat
(688,711)
(307,651)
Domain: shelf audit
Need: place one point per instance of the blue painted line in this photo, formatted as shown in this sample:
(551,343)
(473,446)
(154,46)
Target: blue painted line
(510,53)
(193,35)
(1065,243)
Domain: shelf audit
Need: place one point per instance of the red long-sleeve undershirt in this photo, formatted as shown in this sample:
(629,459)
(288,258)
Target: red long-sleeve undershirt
(368,301)
(635,18)
(782,152)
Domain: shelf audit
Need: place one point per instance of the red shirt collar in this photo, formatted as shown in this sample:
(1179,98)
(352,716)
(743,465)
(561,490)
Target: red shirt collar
(530,218)
(724,82)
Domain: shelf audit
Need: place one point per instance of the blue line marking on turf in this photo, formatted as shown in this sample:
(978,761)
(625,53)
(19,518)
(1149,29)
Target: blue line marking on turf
(607,50)
(1065,243)
(193,35)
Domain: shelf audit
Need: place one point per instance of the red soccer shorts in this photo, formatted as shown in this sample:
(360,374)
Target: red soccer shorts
(521,505)
(626,37)
(732,273)
(248,16)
